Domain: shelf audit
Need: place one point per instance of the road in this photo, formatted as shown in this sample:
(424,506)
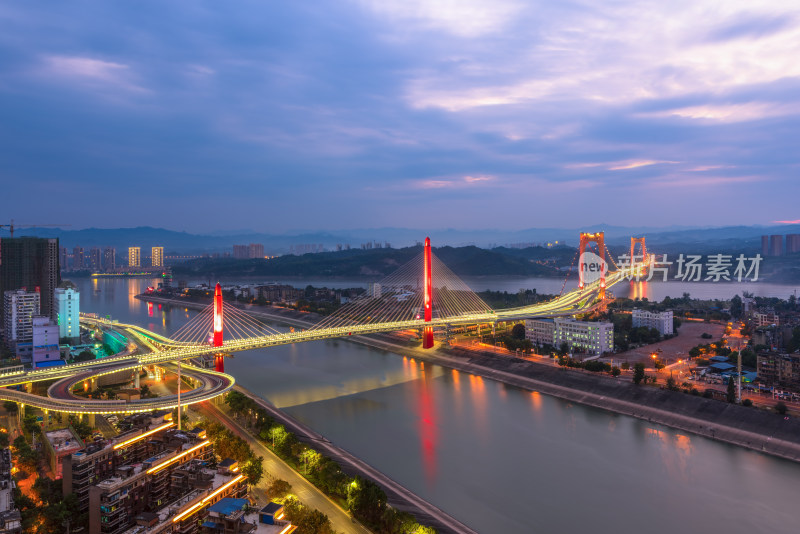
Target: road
(277,469)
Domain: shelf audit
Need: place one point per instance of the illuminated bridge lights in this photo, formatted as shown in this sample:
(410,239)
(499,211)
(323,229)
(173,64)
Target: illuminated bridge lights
(170,461)
(142,436)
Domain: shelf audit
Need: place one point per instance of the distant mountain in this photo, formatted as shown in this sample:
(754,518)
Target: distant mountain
(375,263)
(187,243)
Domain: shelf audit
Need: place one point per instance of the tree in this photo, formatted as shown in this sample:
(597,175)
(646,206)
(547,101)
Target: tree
(780,408)
(30,424)
(85,356)
(366,499)
(278,489)
(315,522)
(4,441)
(10,406)
(730,395)
(253,469)
(81,428)
(638,373)
(672,385)
(518,331)
(736,306)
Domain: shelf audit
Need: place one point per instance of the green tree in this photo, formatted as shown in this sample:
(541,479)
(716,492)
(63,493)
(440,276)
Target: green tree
(672,385)
(315,522)
(638,373)
(366,500)
(615,371)
(30,424)
(10,406)
(4,441)
(85,356)
(253,469)
(780,408)
(518,331)
(736,306)
(730,394)
(278,489)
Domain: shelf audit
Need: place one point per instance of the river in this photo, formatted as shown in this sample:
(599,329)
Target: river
(498,458)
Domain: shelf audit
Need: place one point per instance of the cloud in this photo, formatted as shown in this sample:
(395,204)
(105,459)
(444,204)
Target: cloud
(742,112)
(796,221)
(453,183)
(90,71)
(463,18)
(687,182)
(627,165)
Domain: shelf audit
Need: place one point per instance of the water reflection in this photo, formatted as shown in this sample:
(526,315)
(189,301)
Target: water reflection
(426,413)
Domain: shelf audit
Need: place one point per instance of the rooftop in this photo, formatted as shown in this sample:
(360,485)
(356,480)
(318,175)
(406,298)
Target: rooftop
(63,440)
(228,505)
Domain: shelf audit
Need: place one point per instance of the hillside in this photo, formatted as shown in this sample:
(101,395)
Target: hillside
(463,261)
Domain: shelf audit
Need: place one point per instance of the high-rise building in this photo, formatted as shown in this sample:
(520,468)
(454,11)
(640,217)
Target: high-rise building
(78,263)
(45,342)
(63,258)
(31,263)
(95,259)
(775,245)
(109,259)
(765,245)
(256,250)
(241,252)
(792,243)
(157,257)
(19,309)
(68,309)
(134,257)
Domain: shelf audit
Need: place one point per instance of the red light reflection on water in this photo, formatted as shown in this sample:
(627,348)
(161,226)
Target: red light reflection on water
(428,431)
(150,309)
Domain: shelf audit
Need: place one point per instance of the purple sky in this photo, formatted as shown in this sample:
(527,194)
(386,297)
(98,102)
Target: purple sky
(278,116)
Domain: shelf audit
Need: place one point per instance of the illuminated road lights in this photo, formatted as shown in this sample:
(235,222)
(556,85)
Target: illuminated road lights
(142,436)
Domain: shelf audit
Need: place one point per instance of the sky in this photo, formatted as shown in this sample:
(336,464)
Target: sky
(324,115)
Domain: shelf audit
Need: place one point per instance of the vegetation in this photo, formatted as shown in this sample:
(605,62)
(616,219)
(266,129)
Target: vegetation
(464,261)
(638,373)
(365,499)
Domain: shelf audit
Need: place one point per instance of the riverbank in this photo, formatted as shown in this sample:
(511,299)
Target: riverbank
(751,428)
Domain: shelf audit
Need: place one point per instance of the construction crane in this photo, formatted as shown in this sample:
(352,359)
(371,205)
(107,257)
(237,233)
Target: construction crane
(12,226)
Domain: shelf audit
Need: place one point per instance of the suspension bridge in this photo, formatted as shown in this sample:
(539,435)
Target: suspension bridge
(423,295)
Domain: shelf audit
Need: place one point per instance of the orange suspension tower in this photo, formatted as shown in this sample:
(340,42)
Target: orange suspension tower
(219,359)
(427,333)
(586,238)
(639,241)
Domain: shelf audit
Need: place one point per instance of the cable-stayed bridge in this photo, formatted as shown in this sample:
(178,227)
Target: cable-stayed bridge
(423,295)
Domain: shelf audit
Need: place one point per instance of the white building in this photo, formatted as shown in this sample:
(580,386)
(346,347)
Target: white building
(540,331)
(45,341)
(20,307)
(375,290)
(766,319)
(67,312)
(661,321)
(584,337)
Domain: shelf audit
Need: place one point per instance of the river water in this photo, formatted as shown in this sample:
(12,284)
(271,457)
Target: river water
(498,458)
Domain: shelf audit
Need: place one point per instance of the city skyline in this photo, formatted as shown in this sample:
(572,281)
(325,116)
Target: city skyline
(333,115)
